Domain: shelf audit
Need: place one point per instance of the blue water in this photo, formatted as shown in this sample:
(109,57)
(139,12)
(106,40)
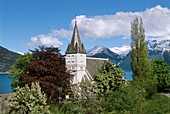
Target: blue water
(5,83)
(128,75)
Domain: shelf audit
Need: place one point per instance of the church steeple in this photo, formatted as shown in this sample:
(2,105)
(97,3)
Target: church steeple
(76,46)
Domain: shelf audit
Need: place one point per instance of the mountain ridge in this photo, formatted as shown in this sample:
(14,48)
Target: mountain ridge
(157,49)
(7,59)
(103,52)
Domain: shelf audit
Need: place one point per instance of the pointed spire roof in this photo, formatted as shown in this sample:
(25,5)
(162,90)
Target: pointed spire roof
(76,46)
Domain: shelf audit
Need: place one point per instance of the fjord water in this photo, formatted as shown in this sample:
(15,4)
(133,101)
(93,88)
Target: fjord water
(128,75)
(5,83)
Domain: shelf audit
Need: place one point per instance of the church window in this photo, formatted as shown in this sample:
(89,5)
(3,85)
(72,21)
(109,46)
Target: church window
(81,58)
(72,58)
(68,57)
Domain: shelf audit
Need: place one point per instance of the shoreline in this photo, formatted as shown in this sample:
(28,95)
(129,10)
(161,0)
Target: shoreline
(4,72)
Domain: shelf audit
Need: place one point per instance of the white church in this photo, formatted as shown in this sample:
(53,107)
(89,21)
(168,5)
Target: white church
(82,67)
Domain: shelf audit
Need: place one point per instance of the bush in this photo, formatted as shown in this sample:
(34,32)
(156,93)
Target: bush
(159,104)
(71,107)
(160,72)
(109,78)
(27,101)
(127,99)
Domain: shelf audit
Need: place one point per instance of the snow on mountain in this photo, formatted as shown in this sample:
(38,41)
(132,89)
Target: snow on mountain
(161,45)
(95,50)
(103,52)
(21,53)
(124,50)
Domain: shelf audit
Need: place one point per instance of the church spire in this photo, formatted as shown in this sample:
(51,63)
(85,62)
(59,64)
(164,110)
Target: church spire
(76,46)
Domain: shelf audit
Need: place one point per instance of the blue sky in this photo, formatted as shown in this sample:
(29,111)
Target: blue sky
(25,24)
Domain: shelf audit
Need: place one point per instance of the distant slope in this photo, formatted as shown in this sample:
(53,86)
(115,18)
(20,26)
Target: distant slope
(153,54)
(103,52)
(7,59)
(124,63)
(166,56)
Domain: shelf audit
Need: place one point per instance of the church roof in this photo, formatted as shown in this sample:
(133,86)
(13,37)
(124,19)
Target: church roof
(94,64)
(76,46)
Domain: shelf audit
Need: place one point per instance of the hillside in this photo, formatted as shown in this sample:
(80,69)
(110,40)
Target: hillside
(153,54)
(7,59)
(157,49)
(103,52)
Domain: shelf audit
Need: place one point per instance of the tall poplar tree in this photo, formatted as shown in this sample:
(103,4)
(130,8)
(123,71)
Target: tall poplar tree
(139,53)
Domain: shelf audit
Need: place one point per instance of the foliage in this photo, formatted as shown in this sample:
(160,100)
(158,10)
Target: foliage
(127,99)
(19,68)
(159,104)
(109,78)
(160,72)
(83,102)
(150,86)
(71,107)
(48,68)
(139,53)
(88,99)
(27,101)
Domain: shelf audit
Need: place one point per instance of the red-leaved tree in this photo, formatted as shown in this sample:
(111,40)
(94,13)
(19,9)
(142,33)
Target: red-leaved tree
(48,68)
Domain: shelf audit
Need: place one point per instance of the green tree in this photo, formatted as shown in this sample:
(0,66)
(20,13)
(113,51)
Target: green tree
(125,100)
(109,78)
(139,53)
(28,101)
(160,73)
(19,68)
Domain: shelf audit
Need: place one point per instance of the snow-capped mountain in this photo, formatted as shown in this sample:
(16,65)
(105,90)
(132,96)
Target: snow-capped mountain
(157,49)
(152,45)
(123,51)
(160,45)
(95,50)
(103,52)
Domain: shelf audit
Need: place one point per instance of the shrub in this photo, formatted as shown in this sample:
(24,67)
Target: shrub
(159,104)
(27,101)
(125,99)
(109,78)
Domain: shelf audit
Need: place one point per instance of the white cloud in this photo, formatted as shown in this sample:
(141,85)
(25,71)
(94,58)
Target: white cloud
(44,40)
(61,33)
(156,23)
